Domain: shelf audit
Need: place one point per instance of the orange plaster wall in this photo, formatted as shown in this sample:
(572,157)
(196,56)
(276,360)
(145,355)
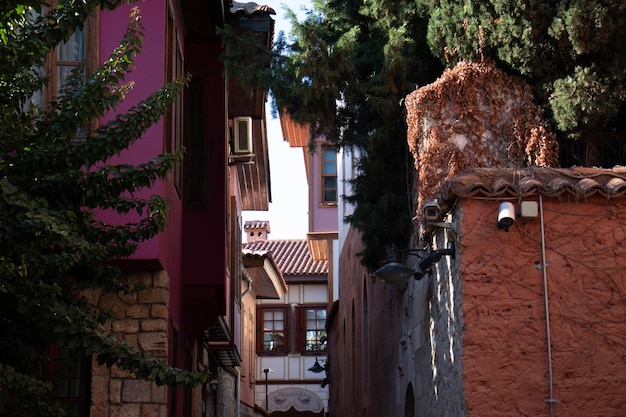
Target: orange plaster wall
(505,359)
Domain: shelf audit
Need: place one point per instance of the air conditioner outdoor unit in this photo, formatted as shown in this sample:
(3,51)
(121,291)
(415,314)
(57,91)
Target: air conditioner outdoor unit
(242,129)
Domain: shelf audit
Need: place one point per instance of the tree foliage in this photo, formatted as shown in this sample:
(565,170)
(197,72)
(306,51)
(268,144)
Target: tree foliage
(572,51)
(347,67)
(52,245)
(345,71)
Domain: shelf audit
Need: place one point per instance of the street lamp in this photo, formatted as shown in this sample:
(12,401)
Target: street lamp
(395,272)
(267,371)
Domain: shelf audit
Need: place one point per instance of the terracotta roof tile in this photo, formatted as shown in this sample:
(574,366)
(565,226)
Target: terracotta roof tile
(257,224)
(250,8)
(580,182)
(291,255)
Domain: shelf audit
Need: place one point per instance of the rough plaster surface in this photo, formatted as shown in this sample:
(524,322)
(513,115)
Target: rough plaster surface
(505,354)
(485,351)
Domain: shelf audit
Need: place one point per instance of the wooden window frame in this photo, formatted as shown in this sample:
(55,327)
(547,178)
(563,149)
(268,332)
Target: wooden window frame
(285,309)
(91,56)
(301,328)
(81,378)
(324,175)
(173,123)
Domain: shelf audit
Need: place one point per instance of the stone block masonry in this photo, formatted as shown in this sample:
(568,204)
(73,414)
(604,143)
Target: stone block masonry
(141,320)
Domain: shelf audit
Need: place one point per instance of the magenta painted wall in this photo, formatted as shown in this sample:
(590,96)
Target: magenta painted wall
(147,76)
(205,228)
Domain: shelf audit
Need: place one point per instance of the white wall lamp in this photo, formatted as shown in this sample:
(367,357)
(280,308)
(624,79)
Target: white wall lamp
(506,215)
(395,272)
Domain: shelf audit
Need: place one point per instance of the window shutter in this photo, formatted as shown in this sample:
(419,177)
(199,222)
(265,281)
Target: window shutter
(300,329)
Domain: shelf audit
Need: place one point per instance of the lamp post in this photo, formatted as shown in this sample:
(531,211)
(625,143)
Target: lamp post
(266,371)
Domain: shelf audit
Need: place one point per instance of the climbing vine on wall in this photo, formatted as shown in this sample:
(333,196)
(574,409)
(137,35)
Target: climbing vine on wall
(475,116)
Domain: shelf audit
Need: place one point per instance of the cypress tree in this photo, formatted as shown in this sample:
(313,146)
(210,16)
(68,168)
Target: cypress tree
(345,71)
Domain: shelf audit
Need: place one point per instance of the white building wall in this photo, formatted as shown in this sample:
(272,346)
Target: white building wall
(291,370)
(346,171)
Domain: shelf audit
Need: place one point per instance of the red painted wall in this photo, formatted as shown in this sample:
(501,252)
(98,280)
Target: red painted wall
(505,357)
(205,228)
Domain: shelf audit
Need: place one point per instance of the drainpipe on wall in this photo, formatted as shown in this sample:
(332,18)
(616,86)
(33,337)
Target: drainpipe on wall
(544,267)
(248,279)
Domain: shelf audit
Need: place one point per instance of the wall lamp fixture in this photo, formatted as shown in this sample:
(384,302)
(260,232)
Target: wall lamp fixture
(395,272)
(506,216)
(317,367)
(213,384)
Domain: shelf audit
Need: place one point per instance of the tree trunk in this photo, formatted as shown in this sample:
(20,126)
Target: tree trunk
(595,147)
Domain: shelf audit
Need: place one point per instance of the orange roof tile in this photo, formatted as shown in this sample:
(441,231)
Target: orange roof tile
(579,182)
(291,255)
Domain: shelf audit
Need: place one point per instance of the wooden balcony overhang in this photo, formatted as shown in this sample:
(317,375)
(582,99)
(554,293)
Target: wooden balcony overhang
(320,244)
(267,279)
(249,101)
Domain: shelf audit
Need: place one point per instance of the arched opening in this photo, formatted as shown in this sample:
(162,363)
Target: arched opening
(409,402)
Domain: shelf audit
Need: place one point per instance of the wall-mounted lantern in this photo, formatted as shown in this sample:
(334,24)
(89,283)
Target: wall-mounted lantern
(395,272)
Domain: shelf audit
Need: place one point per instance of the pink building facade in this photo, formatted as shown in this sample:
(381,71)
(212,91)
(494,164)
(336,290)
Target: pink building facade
(190,312)
(322,165)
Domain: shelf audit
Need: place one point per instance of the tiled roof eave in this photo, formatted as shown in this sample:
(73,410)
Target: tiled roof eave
(291,255)
(303,279)
(577,182)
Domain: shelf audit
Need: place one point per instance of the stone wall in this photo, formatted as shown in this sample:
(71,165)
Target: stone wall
(445,331)
(141,320)
(226,393)
(379,348)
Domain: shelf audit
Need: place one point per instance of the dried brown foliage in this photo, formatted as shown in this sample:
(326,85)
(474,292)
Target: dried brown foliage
(475,116)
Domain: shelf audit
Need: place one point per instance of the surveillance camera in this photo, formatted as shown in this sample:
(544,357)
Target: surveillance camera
(431,210)
(506,216)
